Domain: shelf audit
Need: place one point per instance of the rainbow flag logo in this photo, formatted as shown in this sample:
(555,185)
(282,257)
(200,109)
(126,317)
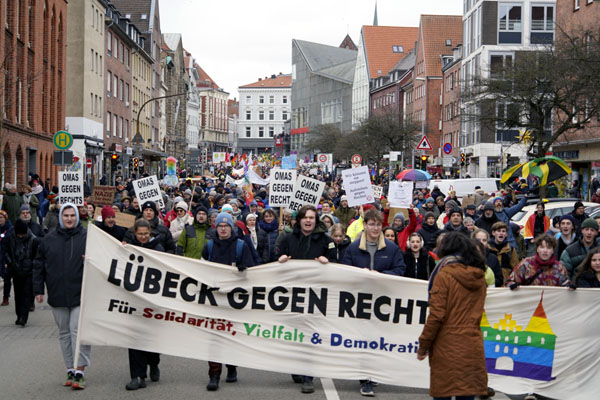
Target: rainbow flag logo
(512,351)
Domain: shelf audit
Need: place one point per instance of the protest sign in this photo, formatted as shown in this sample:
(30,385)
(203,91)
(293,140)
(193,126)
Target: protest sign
(70,187)
(281,187)
(306,191)
(103,195)
(146,189)
(288,162)
(377,191)
(329,320)
(357,183)
(400,194)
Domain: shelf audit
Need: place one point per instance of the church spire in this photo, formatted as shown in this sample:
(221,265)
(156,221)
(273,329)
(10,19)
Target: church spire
(375,16)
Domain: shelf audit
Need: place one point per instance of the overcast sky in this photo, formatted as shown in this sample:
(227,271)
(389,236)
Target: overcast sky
(238,41)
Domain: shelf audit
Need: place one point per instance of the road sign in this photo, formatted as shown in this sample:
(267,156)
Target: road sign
(447,148)
(424,144)
(62,140)
(447,161)
(322,158)
(140,163)
(356,159)
(88,163)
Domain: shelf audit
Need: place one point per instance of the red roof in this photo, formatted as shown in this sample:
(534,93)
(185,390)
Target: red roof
(435,30)
(280,81)
(379,42)
(203,77)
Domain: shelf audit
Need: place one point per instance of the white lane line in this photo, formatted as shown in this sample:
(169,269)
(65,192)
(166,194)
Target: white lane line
(329,389)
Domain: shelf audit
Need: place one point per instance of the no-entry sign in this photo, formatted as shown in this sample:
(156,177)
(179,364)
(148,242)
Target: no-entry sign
(356,159)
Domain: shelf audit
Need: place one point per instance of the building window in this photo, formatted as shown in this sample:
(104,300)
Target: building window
(509,23)
(127,94)
(108,119)
(271,115)
(576,4)
(248,99)
(271,131)
(284,115)
(116,48)
(120,127)
(542,24)
(248,131)
(261,99)
(261,115)
(115,86)
(127,57)
(114,122)
(261,131)
(109,44)
(108,82)
(271,99)
(398,49)
(248,115)
(284,100)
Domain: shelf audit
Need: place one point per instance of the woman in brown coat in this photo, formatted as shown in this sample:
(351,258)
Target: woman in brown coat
(452,335)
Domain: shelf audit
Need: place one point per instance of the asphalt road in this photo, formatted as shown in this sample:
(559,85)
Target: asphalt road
(31,367)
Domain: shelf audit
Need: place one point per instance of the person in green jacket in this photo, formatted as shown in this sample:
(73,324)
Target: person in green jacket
(194,237)
(32,201)
(344,213)
(12,202)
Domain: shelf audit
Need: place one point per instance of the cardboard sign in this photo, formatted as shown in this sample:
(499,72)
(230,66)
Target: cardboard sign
(394,211)
(121,219)
(103,195)
(289,162)
(146,189)
(70,187)
(401,194)
(281,187)
(377,191)
(358,186)
(306,191)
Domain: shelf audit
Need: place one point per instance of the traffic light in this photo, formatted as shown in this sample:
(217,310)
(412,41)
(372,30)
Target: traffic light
(424,162)
(463,159)
(114,156)
(135,162)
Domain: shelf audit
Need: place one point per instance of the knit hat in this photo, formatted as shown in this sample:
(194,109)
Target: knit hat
(250,216)
(226,207)
(177,199)
(368,207)
(253,203)
(183,205)
(427,215)
(188,191)
(24,207)
(234,202)
(399,215)
(577,205)
(589,223)
(201,208)
(224,218)
(452,204)
(488,206)
(455,211)
(430,200)
(20,227)
(344,197)
(470,207)
(496,199)
(107,212)
(150,204)
(569,217)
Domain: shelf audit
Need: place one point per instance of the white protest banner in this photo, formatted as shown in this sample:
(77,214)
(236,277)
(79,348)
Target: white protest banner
(327,320)
(357,183)
(281,187)
(70,187)
(256,179)
(306,191)
(377,191)
(147,189)
(400,194)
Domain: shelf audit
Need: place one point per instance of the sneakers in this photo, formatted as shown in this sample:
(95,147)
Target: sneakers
(297,378)
(69,381)
(154,373)
(213,384)
(4,301)
(530,396)
(78,381)
(307,386)
(231,375)
(366,389)
(20,321)
(136,383)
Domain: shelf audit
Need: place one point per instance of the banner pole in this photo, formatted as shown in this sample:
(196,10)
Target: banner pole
(82,297)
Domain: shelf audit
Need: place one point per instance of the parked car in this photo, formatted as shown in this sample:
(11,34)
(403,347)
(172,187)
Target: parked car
(553,208)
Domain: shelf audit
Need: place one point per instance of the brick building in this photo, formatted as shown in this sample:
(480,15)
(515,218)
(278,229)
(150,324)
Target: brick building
(33,56)
(450,110)
(580,148)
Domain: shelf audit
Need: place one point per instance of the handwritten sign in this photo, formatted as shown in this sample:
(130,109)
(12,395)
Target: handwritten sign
(358,186)
(281,187)
(103,195)
(70,187)
(146,189)
(377,191)
(401,194)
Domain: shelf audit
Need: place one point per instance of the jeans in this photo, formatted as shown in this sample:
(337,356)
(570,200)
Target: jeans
(66,319)
(23,293)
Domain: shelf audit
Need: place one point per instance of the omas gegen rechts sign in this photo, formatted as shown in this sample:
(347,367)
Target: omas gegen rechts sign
(70,187)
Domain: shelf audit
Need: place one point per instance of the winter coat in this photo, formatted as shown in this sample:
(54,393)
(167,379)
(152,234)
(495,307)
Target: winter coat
(59,264)
(152,244)
(531,271)
(451,228)
(192,240)
(11,203)
(20,253)
(224,252)
(388,258)
(356,227)
(578,221)
(267,237)
(491,261)
(177,225)
(429,233)
(561,245)
(419,268)
(35,228)
(452,334)
(588,279)
(486,223)
(573,255)
(118,232)
(345,215)
(506,255)
(51,219)
(340,249)
(303,247)
(404,234)
(5,231)
(160,232)
(434,210)
(33,202)
(506,214)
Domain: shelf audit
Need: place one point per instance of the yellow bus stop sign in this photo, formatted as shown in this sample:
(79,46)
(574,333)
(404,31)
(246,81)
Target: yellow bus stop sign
(62,140)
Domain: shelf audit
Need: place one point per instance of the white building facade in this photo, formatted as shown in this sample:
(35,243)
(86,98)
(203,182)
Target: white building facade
(494,32)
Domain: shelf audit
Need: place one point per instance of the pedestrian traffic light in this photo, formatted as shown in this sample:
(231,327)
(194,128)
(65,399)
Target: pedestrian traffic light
(463,159)
(135,162)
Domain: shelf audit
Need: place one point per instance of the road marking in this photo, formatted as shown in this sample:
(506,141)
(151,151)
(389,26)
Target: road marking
(329,389)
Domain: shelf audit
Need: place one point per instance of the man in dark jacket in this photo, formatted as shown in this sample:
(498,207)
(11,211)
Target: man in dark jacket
(575,253)
(20,251)
(455,222)
(308,241)
(579,216)
(488,218)
(34,227)
(159,231)
(11,202)
(429,231)
(224,249)
(59,265)
(109,225)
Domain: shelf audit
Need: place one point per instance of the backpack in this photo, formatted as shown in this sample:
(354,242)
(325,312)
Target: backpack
(239,249)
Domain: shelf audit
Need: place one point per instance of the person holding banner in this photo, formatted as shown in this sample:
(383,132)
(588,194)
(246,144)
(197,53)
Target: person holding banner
(59,265)
(226,248)
(159,231)
(194,237)
(109,225)
(307,241)
(140,360)
(452,336)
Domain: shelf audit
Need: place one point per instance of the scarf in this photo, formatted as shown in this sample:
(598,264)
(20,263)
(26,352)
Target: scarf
(253,236)
(268,227)
(37,190)
(539,263)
